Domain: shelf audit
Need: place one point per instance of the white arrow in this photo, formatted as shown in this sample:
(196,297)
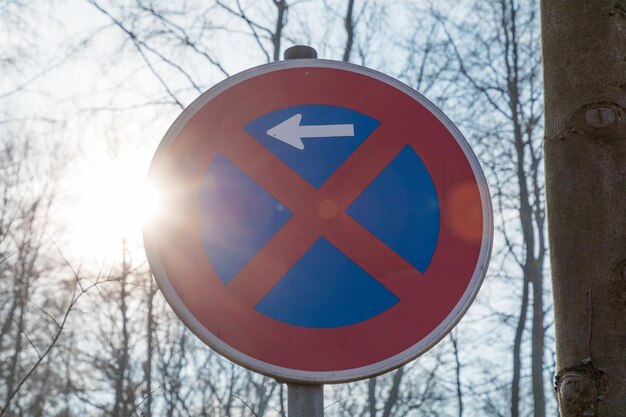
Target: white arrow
(291,132)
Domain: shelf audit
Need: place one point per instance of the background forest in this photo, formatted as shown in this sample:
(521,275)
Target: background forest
(87,90)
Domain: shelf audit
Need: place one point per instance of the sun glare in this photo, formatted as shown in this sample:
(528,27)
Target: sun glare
(116,202)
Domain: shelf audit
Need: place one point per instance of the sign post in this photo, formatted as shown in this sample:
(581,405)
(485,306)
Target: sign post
(324,223)
(305,400)
(302,400)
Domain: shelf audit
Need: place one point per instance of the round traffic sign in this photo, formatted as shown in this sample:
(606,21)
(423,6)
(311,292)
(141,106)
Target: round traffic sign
(323,222)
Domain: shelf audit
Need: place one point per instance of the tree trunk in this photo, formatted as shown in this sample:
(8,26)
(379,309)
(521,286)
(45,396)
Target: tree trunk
(277,36)
(371,396)
(533,272)
(457,372)
(517,351)
(150,334)
(120,407)
(537,346)
(14,362)
(584,49)
(394,392)
(349,26)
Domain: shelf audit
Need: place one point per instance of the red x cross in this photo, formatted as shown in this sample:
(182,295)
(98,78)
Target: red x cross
(316,213)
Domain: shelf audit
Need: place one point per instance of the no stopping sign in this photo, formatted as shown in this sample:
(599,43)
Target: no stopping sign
(324,222)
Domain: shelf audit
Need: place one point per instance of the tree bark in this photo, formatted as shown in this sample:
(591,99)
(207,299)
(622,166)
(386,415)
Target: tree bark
(584,49)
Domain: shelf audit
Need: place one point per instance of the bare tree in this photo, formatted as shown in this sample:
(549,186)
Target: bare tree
(349,25)
(31,322)
(499,61)
(415,388)
(457,371)
(262,31)
(150,349)
(584,49)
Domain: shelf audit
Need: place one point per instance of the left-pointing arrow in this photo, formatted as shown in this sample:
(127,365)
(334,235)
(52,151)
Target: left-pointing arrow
(291,131)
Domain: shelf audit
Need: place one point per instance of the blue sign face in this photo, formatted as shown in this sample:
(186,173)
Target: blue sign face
(324,288)
(319,156)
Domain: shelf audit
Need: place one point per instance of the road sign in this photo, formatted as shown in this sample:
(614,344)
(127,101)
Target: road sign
(324,222)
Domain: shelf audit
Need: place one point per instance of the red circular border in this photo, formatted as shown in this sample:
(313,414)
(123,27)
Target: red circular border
(426,301)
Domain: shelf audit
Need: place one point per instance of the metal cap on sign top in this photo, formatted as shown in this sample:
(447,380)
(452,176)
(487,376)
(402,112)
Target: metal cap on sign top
(300,52)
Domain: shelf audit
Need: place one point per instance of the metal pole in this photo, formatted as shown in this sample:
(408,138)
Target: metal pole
(305,400)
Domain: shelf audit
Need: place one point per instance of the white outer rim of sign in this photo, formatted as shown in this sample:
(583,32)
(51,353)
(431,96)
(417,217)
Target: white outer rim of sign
(310,377)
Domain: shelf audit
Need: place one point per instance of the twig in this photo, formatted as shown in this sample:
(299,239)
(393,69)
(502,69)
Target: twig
(30,342)
(76,295)
(247,405)
(336,402)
